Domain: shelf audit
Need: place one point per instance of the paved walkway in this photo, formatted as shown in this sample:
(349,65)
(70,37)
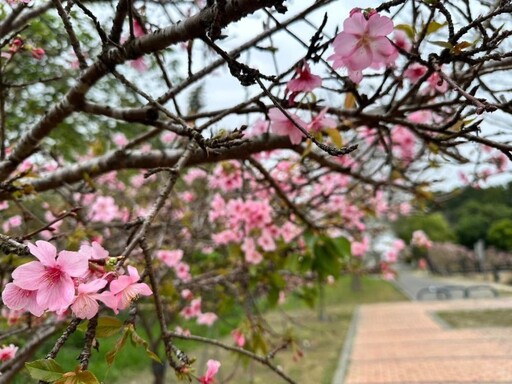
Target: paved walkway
(402,343)
(406,343)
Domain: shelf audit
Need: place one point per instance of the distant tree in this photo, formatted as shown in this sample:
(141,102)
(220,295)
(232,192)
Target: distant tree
(456,199)
(434,225)
(475,218)
(500,235)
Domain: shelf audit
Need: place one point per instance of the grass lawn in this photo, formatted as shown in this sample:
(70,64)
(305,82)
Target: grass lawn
(320,342)
(478,318)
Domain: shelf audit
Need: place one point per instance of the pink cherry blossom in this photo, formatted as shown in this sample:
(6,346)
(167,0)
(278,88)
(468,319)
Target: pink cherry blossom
(193,310)
(404,143)
(251,255)
(170,258)
(321,121)
(415,72)
(402,41)
(138,31)
(359,248)
(104,209)
(8,352)
(363,43)
(282,126)
(194,174)
(238,337)
(19,299)
(437,84)
(266,241)
(139,65)
(85,305)
(187,294)
(183,271)
(120,139)
(94,251)
(51,276)
(124,290)
(207,318)
(421,240)
(38,53)
(305,81)
(209,376)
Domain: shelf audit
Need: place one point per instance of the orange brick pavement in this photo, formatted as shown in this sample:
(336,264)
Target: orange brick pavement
(403,343)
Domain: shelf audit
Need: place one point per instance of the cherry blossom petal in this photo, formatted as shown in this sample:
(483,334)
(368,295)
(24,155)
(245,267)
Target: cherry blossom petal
(134,274)
(92,286)
(109,299)
(56,294)
(85,307)
(356,24)
(44,251)
(360,59)
(345,44)
(121,283)
(379,25)
(132,292)
(73,263)
(29,276)
(383,50)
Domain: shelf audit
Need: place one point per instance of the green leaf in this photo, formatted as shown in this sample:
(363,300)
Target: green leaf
(326,257)
(461,46)
(111,355)
(108,326)
(137,340)
(259,343)
(408,29)
(444,44)
(343,246)
(44,369)
(87,377)
(273,297)
(335,136)
(78,377)
(434,26)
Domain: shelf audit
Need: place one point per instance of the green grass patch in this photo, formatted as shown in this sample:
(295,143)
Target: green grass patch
(477,318)
(320,341)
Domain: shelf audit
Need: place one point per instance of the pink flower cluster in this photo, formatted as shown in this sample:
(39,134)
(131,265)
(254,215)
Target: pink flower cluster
(227,176)
(363,43)
(420,240)
(211,371)
(8,352)
(173,260)
(391,256)
(57,282)
(193,310)
(304,82)
(281,125)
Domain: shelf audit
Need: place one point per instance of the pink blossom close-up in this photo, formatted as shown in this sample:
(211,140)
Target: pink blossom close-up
(124,290)
(282,126)
(212,369)
(8,352)
(51,276)
(305,80)
(363,43)
(85,305)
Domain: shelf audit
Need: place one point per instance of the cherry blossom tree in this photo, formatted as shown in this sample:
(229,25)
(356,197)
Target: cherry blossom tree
(163,158)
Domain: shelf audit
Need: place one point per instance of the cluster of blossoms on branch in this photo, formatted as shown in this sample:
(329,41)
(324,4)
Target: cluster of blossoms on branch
(71,280)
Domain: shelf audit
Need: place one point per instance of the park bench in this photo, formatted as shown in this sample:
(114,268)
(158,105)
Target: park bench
(444,292)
